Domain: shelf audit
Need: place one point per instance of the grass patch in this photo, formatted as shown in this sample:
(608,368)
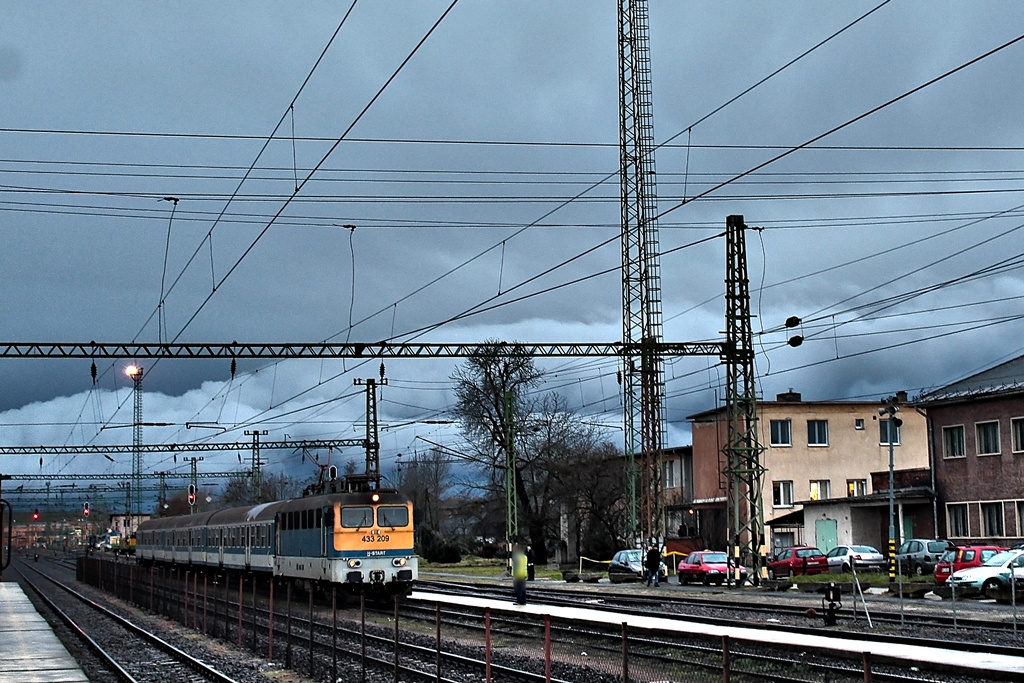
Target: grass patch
(472,566)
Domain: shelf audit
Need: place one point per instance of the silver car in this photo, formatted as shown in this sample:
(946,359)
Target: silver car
(919,556)
(844,557)
(992,578)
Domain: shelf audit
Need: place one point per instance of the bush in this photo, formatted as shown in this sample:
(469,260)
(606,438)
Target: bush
(433,548)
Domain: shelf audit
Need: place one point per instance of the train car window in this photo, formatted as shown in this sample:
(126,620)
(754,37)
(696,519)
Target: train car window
(392,516)
(310,524)
(319,518)
(329,518)
(356,517)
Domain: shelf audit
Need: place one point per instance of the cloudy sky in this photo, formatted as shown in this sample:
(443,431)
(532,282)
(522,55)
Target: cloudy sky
(895,238)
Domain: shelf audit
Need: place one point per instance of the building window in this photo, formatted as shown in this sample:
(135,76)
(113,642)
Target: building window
(858,423)
(883,433)
(953,442)
(856,487)
(1020,517)
(669,475)
(988,438)
(1017,427)
(817,432)
(992,519)
(782,494)
(782,434)
(820,489)
(957,514)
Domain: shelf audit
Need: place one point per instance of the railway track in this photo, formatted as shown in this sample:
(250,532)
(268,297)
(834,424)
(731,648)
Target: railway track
(128,651)
(973,624)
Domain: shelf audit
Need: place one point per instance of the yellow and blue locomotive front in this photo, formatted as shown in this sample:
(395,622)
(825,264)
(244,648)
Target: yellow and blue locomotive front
(361,540)
(373,540)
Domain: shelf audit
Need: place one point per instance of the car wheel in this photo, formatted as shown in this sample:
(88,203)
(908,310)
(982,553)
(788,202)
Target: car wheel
(846,567)
(771,574)
(791,573)
(682,579)
(704,580)
(918,570)
(990,588)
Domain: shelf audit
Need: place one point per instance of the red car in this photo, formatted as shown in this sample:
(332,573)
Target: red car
(799,559)
(955,559)
(706,566)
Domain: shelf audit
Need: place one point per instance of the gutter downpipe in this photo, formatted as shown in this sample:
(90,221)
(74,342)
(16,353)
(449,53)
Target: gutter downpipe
(931,469)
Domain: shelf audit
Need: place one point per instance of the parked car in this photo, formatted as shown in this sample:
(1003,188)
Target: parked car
(992,578)
(955,559)
(708,567)
(862,557)
(628,565)
(800,559)
(919,556)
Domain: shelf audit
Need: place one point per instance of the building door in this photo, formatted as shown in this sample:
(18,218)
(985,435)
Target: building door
(826,534)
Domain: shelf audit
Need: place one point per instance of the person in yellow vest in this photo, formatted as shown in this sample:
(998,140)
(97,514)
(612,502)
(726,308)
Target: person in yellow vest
(519,573)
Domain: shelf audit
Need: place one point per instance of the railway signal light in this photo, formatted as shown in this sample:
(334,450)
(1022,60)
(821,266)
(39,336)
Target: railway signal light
(85,510)
(35,514)
(191,494)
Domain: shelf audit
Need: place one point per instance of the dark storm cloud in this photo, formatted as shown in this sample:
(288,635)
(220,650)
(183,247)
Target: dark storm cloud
(86,233)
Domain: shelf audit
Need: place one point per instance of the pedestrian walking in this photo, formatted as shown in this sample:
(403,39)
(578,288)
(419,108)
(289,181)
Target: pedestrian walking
(519,574)
(653,565)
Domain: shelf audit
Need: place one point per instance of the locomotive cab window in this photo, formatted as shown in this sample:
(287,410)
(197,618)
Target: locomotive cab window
(357,517)
(392,516)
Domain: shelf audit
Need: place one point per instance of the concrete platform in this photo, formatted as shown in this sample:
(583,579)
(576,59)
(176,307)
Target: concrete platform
(30,651)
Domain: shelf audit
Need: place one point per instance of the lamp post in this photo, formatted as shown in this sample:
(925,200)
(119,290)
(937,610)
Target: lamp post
(890,409)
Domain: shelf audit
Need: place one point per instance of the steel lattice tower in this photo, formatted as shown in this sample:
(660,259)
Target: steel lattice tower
(744,472)
(135,497)
(642,374)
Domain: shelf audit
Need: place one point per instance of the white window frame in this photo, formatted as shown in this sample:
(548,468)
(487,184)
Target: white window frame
(789,433)
(946,431)
(858,423)
(966,519)
(856,487)
(820,489)
(1017,434)
(817,444)
(784,489)
(1000,520)
(977,435)
(884,440)
(669,474)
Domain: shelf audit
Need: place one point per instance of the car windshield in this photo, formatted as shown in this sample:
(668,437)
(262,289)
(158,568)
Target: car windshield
(808,552)
(864,549)
(631,556)
(948,556)
(999,559)
(714,558)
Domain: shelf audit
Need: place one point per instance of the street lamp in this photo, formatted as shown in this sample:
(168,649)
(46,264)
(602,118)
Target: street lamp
(893,424)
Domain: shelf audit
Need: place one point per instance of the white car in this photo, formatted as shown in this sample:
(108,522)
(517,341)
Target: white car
(843,557)
(991,579)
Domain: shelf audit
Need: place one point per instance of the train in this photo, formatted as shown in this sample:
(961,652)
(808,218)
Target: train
(357,540)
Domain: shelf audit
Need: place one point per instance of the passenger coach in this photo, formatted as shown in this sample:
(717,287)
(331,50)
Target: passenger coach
(360,540)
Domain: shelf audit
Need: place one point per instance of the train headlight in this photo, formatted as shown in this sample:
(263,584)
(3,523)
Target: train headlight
(399,562)
(355,563)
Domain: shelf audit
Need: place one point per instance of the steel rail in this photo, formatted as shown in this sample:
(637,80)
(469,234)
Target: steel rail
(182,656)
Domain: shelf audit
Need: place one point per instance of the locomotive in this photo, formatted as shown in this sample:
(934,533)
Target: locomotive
(357,538)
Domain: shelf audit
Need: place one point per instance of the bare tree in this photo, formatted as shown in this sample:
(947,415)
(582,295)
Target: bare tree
(426,480)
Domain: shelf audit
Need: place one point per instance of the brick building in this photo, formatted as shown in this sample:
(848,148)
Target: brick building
(821,456)
(976,428)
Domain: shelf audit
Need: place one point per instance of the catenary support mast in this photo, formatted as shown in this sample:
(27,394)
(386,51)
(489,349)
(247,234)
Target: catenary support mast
(642,374)
(744,471)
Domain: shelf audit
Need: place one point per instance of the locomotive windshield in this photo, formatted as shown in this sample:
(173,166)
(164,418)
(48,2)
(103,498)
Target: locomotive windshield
(356,517)
(392,516)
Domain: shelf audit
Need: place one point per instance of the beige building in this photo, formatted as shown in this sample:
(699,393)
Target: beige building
(813,451)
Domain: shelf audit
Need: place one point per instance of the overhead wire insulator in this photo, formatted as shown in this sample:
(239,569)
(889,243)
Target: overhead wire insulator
(92,371)
(234,367)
